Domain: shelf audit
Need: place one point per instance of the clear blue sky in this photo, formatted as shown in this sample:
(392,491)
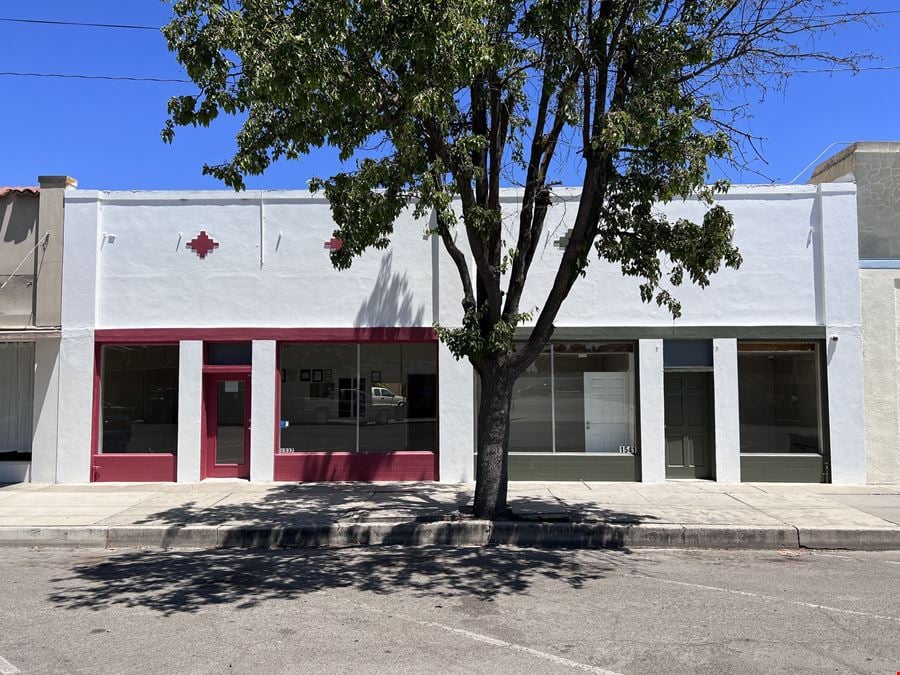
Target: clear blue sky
(106,134)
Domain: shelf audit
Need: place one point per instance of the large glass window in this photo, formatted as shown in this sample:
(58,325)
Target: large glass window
(399,409)
(16,396)
(139,399)
(594,397)
(531,414)
(780,397)
(318,397)
(358,398)
(576,397)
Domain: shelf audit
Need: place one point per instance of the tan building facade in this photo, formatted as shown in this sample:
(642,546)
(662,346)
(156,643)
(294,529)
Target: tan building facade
(31,248)
(875,168)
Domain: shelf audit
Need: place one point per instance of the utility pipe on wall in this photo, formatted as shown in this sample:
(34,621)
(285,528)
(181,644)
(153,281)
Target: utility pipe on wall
(262,230)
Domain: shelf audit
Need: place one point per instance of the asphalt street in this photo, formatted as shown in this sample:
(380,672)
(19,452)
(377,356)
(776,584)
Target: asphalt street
(434,610)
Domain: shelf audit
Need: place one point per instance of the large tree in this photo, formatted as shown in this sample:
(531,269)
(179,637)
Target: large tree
(437,104)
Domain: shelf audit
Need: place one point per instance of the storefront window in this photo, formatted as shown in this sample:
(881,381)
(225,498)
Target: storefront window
(576,397)
(780,398)
(139,399)
(358,398)
(16,396)
(399,409)
(318,397)
(531,415)
(594,397)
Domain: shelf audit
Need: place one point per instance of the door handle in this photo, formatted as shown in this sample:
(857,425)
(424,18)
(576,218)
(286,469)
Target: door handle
(587,425)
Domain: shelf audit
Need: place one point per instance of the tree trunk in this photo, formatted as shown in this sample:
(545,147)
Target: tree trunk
(493,440)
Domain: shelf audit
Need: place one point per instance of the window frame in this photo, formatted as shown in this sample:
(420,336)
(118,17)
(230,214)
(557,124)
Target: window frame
(779,346)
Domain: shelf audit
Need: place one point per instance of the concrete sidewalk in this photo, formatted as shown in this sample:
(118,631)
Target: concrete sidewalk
(225,513)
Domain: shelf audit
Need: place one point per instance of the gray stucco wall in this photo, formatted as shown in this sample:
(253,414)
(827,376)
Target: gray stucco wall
(18,235)
(875,167)
(878,192)
(31,245)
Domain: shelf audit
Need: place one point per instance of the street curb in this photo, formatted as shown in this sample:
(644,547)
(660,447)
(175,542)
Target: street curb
(85,536)
(854,539)
(454,533)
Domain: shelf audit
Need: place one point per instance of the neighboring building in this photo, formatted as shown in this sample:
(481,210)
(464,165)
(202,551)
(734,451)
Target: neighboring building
(875,168)
(31,238)
(187,315)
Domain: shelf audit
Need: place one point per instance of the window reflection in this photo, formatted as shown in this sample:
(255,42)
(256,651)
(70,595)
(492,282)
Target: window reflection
(391,397)
(318,397)
(399,408)
(139,399)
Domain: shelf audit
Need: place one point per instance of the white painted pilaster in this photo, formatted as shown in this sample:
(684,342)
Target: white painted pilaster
(263,416)
(652,411)
(846,419)
(727,411)
(76,348)
(46,405)
(76,415)
(843,345)
(456,417)
(190,409)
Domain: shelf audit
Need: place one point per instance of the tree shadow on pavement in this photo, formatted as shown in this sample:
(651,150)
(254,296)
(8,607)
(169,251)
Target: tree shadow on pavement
(316,504)
(173,582)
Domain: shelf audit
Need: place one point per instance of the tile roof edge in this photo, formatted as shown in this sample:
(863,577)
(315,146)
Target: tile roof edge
(19,191)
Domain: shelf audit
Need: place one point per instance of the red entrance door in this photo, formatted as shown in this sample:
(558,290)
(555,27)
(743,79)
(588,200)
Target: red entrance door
(226,447)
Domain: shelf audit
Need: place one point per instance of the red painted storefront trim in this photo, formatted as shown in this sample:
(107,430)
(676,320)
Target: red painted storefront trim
(209,468)
(350,466)
(133,467)
(227,370)
(170,335)
(309,466)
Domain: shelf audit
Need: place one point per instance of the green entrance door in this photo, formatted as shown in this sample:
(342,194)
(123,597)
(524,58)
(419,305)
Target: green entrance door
(688,425)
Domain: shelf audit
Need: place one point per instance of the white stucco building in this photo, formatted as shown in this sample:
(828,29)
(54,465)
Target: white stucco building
(207,334)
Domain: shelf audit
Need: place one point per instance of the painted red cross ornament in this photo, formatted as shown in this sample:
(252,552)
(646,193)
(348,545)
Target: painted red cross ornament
(334,244)
(202,244)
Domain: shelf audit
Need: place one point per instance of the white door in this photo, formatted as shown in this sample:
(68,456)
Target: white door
(608,401)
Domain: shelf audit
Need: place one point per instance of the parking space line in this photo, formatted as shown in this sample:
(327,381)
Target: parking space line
(772,598)
(487,639)
(834,555)
(6,668)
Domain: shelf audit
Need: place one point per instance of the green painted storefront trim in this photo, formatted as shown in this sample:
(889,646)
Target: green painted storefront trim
(782,469)
(573,467)
(585,334)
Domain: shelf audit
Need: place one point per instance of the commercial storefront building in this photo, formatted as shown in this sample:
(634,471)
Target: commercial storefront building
(31,241)
(205,334)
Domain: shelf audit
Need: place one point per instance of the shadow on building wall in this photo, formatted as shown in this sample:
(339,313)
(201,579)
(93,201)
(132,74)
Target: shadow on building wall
(391,302)
(18,218)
